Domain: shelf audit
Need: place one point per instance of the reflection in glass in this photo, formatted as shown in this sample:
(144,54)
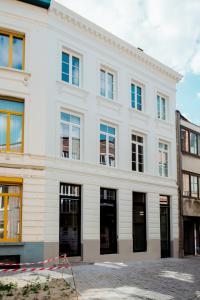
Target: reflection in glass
(103,83)
(65,140)
(110,86)
(15,133)
(102,149)
(17,53)
(75,142)
(13,218)
(3,127)
(4,50)
(111,151)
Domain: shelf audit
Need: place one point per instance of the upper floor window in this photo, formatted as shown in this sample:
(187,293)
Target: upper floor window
(11,50)
(191,185)
(107,145)
(190,141)
(71,68)
(106,84)
(161,107)
(163,159)
(70,136)
(136,96)
(11,125)
(137,153)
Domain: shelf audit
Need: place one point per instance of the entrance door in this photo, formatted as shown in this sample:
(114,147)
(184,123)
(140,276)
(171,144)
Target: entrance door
(70,219)
(189,244)
(108,224)
(165,226)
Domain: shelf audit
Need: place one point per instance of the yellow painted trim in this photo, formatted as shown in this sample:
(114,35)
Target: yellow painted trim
(10,112)
(4,97)
(5,216)
(12,34)
(8,133)
(9,180)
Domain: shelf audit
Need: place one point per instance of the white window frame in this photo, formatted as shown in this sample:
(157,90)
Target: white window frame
(107,143)
(163,151)
(138,144)
(77,55)
(70,134)
(160,115)
(137,84)
(113,73)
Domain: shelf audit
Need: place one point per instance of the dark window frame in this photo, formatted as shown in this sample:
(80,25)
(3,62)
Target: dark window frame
(189,143)
(190,191)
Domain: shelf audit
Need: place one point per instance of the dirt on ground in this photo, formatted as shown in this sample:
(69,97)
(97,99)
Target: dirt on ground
(53,289)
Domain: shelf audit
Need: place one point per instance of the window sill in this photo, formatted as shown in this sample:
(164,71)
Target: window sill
(15,74)
(109,103)
(139,113)
(163,123)
(65,87)
(11,244)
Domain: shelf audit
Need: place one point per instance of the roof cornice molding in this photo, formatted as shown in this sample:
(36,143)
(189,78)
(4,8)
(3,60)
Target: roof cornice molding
(101,34)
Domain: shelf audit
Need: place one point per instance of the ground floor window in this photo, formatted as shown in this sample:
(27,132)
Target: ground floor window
(108,221)
(10,210)
(139,222)
(165,225)
(191,236)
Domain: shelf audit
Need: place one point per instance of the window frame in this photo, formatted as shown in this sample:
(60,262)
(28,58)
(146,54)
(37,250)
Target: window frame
(12,34)
(137,144)
(70,135)
(107,143)
(190,174)
(140,85)
(9,113)
(72,53)
(107,71)
(18,182)
(162,96)
(168,153)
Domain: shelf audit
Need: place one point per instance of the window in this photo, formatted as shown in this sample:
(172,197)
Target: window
(139,222)
(10,212)
(70,68)
(106,84)
(191,185)
(11,50)
(184,140)
(107,145)
(137,153)
(136,96)
(161,107)
(163,159)
(193,143)
(186,185)
(11,125)
(70,136)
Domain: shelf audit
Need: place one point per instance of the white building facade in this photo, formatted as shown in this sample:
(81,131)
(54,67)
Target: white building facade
(87,141)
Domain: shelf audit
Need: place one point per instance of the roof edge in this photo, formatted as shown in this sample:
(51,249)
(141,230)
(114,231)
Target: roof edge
(109,38)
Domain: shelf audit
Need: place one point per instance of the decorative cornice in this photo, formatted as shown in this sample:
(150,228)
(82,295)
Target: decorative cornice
(96,31)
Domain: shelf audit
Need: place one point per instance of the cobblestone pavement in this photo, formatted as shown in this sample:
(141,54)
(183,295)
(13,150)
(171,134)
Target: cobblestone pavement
(164,279)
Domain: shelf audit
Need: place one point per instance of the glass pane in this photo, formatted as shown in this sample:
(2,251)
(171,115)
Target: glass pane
(193,143)
(75,71)
(110,86)
(184,140)
(103,149)
(65,117)
(186,185)
(75,142)
(65,68)
(158,107)
(74,119)
(102,83)
(194,186)
(134,137)
(139,98)
(3,127)
(4,50)
(15,133)
(65,77)
(140,139)
(12,106)
(64,140)
(65,57)
(140,167)
(103,128)
(1,217)
(111,130)
(163,103)
(17,53)
(13,217)
(133,95)
(111,151)
(14,189)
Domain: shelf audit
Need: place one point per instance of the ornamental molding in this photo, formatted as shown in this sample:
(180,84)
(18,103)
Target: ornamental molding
(99,33)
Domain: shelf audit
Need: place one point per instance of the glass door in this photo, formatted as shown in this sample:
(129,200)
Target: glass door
(165,226)
(70,220)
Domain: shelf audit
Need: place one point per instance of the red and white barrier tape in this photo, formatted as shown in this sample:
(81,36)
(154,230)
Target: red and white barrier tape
(32,269)
(48,260)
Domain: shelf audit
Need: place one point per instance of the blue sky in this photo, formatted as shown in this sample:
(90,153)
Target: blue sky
(168,30)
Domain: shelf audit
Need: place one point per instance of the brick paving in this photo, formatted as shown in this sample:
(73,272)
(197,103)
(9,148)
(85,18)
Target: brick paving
(164,279)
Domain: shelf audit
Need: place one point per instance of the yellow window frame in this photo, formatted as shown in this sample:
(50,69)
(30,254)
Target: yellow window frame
(18,182)
(9,113)
(12,34)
